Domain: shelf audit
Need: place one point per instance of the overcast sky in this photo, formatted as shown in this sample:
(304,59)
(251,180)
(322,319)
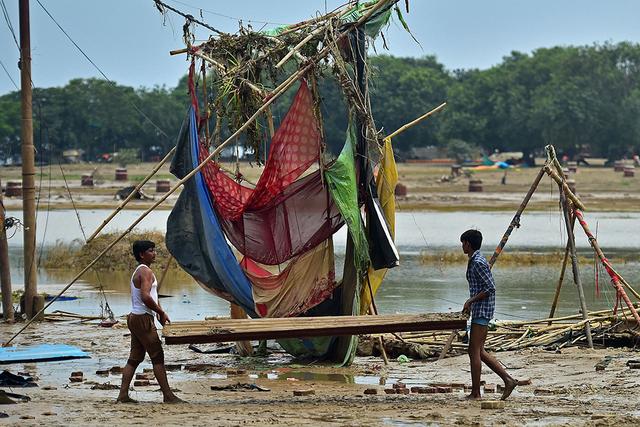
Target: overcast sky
(129,39)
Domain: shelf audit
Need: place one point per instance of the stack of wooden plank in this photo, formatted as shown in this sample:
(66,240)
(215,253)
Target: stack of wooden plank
(222,330)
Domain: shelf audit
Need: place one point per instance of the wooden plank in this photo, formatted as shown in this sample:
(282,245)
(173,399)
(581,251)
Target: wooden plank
(223,330)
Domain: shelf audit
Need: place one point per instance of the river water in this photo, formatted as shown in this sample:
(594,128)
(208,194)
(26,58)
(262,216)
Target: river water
(523,292)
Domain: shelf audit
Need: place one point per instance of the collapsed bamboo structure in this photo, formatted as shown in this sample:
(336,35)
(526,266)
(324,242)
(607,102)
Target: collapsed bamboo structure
(608,326)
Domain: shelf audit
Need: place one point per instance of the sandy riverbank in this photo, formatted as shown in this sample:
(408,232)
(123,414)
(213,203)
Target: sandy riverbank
(565,388)
(601,189)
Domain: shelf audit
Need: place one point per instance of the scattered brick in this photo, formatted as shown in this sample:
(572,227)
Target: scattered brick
(371,391)
(307,392)
(489,388)
(141,383)
(492,404)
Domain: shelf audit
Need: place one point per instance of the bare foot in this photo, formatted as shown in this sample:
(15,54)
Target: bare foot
(509,385)
(174,399)
(473,397)
(125,399)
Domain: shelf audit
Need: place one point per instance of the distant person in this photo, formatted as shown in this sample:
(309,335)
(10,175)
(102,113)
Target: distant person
(144,336)
(481,306)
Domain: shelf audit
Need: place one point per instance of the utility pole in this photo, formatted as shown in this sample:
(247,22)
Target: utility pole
(28,163)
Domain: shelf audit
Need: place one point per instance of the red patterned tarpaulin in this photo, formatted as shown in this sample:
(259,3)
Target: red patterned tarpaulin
(295,221)
(294,148)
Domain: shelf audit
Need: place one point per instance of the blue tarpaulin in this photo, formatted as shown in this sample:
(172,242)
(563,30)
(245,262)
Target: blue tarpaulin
(40,353)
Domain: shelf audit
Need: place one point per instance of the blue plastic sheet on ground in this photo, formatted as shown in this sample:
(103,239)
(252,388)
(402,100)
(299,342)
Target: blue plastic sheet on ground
(40,353)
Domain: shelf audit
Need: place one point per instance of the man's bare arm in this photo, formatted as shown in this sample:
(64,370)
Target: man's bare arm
(146,278)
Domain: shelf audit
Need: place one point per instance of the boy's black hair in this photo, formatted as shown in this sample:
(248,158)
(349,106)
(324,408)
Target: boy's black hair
(140,246)
(474,237)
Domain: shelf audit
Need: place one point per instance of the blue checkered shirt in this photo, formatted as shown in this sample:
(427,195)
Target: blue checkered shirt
(480,279)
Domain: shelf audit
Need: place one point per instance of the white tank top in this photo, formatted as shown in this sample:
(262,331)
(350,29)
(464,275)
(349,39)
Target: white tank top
(137,305)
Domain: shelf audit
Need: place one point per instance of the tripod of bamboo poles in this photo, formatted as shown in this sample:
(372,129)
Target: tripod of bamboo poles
(572,209)
(272,96)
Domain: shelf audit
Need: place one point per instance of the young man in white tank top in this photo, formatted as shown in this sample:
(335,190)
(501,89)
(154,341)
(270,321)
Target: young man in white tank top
(144,336)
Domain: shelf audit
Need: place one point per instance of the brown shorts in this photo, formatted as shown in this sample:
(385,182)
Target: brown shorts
(144,339)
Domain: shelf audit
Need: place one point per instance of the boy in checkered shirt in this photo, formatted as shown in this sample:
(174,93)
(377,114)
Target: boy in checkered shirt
(481,306)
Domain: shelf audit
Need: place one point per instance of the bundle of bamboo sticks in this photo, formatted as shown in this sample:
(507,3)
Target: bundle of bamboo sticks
(554,333)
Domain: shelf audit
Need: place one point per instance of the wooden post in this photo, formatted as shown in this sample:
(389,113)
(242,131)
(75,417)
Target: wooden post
(515,222)
(244,347)
(28,163)
(574,264)
(5,268)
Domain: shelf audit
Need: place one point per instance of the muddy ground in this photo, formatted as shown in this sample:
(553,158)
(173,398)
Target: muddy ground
(565,388)
(601,189)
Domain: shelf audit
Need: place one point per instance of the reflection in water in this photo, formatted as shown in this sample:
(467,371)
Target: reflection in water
(414,230)
(524,292)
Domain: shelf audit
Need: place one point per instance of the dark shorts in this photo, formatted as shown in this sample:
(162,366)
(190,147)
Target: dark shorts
(482,321)
(144,339)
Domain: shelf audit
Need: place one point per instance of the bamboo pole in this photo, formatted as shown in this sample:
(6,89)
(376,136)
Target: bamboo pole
(556,296)
(165,270)
(301,43)
(574,266)
(447,345)
(594,244)
(374,311)
(614,276)
(223,69)
(205,100)
(244,347)
(565,188)
(416,121)
(515,222)
(5,268)
(133,193)
(268,101)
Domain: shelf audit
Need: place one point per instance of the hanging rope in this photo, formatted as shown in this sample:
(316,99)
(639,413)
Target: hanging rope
(106,308)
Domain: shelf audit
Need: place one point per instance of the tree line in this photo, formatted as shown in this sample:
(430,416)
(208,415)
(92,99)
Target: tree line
(583,100)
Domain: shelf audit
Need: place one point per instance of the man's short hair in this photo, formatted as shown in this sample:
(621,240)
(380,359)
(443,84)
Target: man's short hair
(474,237)
(140,246)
